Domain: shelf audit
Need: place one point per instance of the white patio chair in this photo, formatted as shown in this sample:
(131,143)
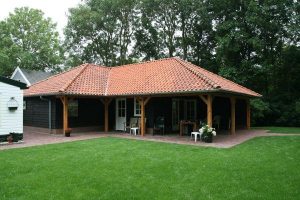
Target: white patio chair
(195,134)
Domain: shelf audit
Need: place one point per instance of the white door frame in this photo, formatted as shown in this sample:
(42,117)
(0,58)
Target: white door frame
(120,120)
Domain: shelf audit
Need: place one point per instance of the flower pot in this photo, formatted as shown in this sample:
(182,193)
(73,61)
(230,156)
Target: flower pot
(208,138)
(68,132)
(10,139)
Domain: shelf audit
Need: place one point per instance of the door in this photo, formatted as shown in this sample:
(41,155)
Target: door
(120,114)
(175,114)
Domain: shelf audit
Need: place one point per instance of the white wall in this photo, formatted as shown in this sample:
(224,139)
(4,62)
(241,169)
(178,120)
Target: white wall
(10,121)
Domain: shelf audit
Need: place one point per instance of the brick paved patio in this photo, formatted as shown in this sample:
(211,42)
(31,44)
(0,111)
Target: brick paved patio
(220,141)
(35,138)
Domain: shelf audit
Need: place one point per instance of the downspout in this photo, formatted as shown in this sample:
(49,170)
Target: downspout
(49,112)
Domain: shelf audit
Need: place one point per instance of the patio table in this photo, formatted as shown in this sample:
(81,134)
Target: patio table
(184,123)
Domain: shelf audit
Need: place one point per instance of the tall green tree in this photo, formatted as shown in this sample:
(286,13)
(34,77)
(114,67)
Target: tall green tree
(29,40)
(101,31)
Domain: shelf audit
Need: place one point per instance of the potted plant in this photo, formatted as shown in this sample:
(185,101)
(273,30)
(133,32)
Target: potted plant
(68,132)
(10,139)
(207,133)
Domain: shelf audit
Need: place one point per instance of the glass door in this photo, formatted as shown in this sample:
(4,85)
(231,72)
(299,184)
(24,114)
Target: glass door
(120,114)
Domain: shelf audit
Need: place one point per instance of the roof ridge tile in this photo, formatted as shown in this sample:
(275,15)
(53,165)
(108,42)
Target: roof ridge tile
(55,75)
(107,82)
(205,78)
(143,62)
(65,87)
(224,79)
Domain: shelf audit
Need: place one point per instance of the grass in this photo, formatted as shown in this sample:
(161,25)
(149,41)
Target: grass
(275,129)
(115,168)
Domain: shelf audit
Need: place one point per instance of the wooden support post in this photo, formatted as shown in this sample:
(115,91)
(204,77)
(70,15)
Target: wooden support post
(143,101)
(232,102)
(106,103)
(248,113)
(64,101)
(209,110)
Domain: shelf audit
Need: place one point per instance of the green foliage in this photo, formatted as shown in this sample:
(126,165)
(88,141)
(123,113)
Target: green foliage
(28,40)
(113,168)
(101,32)
(260,111)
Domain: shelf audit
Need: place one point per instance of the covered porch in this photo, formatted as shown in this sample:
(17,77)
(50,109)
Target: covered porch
(179,113)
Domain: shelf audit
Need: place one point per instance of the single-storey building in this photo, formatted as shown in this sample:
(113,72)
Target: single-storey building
(29,77)
(11,106)
(92,97)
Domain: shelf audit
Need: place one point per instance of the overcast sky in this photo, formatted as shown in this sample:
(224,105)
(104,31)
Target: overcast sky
(55,9)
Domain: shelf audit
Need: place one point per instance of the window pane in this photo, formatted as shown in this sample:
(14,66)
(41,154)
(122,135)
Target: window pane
(73,108)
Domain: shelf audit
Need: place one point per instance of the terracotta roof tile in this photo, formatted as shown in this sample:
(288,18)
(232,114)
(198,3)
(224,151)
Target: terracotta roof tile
(171,75)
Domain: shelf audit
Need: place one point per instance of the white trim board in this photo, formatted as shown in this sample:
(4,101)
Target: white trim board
(22,74)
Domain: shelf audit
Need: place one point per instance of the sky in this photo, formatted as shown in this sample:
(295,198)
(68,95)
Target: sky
(55,9)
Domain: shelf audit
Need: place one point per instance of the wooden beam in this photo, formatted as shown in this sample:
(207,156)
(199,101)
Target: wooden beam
(64,100)
(203,99)
(106,103)
(106,100)
(248,114)
(232,102)
(209,110)
(147,100)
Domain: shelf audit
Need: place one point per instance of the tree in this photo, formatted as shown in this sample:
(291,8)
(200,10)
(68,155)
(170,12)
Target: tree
(148,43)
(28,40)
(101,31)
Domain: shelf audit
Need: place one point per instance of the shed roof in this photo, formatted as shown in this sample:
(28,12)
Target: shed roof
(35,76)
(30,76)
(13,82)
(165,76)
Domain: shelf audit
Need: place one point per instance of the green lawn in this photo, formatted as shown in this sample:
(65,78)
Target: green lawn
(275,129)
(114,168)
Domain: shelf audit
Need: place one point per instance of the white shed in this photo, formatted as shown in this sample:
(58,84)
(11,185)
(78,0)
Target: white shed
(11,106)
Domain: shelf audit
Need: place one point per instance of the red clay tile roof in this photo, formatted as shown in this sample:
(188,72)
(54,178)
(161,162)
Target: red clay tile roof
(171,75)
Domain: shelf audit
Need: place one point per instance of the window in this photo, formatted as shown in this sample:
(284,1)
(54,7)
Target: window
(73,108)
(121,108)
(137,108)
(190,109)
(24,105)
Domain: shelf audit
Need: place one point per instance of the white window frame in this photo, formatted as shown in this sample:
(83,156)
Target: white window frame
(73,104)
(136,114)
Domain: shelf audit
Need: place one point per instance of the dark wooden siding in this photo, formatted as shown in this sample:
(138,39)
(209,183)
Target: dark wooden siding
(37,112)
(90,113)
